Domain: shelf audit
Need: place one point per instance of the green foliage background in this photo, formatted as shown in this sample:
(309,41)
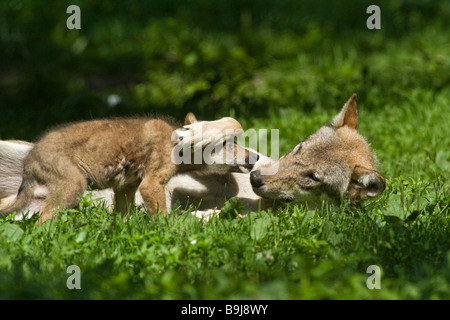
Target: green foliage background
(244,58)
(287,65)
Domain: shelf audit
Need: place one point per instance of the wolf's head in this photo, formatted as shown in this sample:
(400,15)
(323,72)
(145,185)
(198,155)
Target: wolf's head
(333,162)
(209,146)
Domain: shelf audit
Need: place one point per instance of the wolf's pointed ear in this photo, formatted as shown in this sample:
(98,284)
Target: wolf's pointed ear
(348,115)
(190,119)
(365,183)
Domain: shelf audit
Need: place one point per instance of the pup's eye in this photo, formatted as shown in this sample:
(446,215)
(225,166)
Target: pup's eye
(312,176)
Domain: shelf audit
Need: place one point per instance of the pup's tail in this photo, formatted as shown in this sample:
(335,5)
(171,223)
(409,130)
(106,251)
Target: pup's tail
(24,198)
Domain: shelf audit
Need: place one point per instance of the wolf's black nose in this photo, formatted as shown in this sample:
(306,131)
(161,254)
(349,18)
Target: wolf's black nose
(255,179)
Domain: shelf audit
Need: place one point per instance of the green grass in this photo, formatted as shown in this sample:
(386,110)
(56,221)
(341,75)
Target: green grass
(292,253)
(282,70)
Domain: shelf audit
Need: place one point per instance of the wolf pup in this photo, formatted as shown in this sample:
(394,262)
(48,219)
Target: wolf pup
(122,154)
(335,161)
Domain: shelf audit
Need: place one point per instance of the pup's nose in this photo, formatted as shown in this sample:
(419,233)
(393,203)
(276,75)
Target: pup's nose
(255,179)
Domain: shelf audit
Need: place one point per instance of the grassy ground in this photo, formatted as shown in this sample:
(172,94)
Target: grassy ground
(290,254)
(268,77)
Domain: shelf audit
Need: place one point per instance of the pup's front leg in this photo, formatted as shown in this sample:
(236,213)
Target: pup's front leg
(153,194)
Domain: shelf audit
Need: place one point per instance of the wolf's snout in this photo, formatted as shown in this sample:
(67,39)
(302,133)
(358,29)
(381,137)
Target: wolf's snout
(255,179)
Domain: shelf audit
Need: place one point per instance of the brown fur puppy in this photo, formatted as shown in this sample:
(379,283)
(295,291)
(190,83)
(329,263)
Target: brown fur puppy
(122,154)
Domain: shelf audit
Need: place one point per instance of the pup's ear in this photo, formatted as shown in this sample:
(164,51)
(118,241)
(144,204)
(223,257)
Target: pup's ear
(348,115)
(365,183)
(190,119)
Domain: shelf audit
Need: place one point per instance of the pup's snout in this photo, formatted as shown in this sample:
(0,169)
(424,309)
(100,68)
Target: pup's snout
(255,179)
